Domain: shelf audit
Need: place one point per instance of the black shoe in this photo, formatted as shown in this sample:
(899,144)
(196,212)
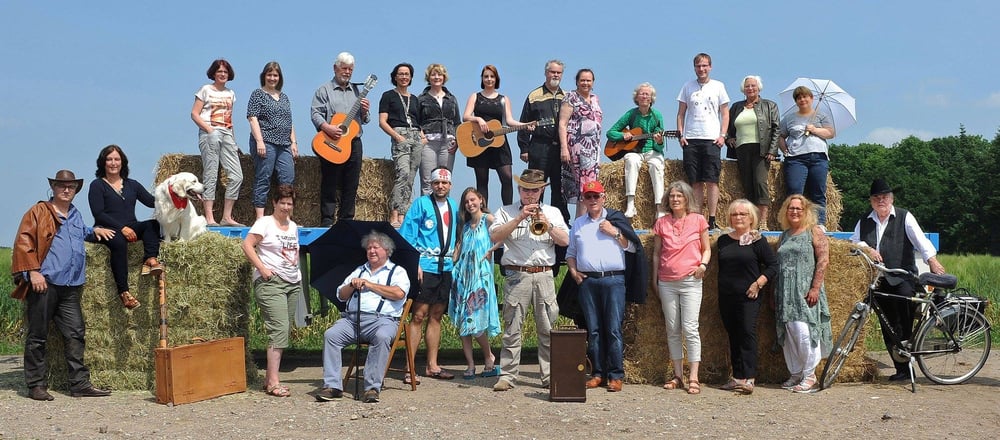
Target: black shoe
(40,392)
(91,392)
(328,394)
(900,375)
(371,396)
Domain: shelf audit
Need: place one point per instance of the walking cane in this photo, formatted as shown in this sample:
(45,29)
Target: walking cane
(161,280)
(357,345)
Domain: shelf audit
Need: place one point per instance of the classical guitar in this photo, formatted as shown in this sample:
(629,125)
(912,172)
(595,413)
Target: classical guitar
(615,150)
(472,141)
(339,150)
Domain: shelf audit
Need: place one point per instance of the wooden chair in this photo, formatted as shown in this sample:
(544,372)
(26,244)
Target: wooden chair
(397,342)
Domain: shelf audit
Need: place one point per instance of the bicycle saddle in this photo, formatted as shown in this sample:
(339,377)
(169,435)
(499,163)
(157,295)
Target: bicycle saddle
(944,281)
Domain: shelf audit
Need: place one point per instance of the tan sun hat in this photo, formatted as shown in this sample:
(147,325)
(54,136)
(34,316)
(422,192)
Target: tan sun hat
(531,179)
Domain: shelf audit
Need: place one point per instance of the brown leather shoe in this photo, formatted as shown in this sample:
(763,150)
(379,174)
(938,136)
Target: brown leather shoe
(40,392)
(614,385)
(594,382)
(91,392)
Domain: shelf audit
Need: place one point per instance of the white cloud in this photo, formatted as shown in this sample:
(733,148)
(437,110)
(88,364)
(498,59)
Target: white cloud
(889,136)
(993,100)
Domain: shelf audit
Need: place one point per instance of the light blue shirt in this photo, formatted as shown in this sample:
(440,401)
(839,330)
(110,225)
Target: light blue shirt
(65,263)
(372,302)
(594,250)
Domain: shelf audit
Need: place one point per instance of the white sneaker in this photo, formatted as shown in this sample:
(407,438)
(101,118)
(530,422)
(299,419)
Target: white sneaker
(630,211)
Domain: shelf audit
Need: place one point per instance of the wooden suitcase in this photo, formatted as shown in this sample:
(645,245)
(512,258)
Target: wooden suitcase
(200,371)
(569,359)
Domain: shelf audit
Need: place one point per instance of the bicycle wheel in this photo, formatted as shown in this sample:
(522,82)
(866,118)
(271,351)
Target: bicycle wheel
(947,364)
(844,345)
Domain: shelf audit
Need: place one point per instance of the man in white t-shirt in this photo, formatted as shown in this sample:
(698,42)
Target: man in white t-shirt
(702,119)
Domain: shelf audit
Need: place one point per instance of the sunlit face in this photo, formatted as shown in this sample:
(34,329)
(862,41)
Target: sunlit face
(702,67)
(489,79)
(283,207)
(343,72)
(271,79)
(739,218)
(594,202)
(881,203)
(644,97)
(113,163)
(64,191)
(677,201)
(440,188)
(404,76)
(377,255)
(795,213)
(472,203)
(751,89)
(222,75)
(436,78)
(804,102)
(585,84)
(553,75)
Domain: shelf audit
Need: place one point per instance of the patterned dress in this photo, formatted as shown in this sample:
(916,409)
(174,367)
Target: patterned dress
(491,109)
(796,264)
(584,137)
(473,306)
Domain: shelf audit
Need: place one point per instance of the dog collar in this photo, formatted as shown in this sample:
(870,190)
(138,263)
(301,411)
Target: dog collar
(179,202)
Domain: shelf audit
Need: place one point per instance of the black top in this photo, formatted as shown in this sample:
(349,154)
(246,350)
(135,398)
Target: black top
(391,103)
(491,109)
(540,104)
(116,210)
(739,266)
(435,118)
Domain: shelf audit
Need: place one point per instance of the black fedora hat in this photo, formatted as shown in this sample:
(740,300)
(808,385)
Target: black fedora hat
(66,176)
(880,186)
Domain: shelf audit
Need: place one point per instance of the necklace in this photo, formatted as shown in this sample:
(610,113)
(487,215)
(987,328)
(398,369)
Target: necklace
(406,107)
(677,224)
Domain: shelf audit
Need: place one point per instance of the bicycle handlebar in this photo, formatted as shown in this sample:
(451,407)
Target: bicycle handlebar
(879,266)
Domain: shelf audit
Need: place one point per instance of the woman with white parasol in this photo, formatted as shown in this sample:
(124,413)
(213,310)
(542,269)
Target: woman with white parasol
(802,139)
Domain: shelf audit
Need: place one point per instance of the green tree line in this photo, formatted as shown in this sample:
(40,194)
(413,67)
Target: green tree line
(947,183)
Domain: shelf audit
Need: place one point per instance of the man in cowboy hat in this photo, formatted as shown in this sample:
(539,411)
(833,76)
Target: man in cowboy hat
(48,266)
(890,235)
(530,232)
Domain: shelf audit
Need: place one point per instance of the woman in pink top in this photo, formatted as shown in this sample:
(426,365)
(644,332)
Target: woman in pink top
(681,251)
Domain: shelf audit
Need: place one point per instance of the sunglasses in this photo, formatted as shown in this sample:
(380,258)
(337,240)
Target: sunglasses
(592,196)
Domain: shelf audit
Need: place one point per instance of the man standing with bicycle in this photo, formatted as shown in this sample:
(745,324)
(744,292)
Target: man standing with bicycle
(890,235)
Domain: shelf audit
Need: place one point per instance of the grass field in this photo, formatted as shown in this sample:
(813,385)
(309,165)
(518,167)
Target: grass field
(980,274)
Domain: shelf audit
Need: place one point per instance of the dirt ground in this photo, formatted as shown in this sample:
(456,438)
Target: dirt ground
(470,409)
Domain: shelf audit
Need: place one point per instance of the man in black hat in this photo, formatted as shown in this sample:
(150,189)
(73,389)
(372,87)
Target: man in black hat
(890,235)
(48,266)
(530,232)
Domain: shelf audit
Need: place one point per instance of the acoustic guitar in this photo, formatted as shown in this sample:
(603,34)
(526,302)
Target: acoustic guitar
(615,150)
(472,141)
(339,150)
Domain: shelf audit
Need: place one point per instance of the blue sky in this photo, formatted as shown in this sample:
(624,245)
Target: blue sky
(81,75)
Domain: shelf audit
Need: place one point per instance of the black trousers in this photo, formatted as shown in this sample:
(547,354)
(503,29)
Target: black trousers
(149,232)
(899,314)
(339,186)
(62,304)
(544,156)
(739,316)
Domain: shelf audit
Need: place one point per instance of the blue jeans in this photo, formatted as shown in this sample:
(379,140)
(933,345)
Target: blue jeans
(603,304)
(806,174)
(278,158)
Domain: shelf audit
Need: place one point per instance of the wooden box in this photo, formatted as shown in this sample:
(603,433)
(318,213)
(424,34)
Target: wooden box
(569,359)
(194,372)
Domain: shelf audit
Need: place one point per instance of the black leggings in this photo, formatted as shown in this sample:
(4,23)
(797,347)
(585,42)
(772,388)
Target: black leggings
(506,184)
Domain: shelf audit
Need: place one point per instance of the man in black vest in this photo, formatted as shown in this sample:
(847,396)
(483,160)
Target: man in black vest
(890,235)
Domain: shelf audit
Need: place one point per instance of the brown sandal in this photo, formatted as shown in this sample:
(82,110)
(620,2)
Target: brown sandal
(674,384)
(128,300)
(694,387)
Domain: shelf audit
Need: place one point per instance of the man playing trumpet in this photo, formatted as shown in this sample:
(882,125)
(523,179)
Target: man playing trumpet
(529,232)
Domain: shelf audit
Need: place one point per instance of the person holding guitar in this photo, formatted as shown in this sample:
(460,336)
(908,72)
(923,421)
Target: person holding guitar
(643,119)
(540,148)
(399,117)
(439,115)
(339,96)
(482,107)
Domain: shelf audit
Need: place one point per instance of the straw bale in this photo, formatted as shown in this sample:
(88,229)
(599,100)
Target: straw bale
(374,190)
(647,359)
(612,175)
(208,285)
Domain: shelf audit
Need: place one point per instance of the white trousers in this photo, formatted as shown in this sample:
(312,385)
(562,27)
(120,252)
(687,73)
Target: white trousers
(681,303)
(800,356)
(633,161)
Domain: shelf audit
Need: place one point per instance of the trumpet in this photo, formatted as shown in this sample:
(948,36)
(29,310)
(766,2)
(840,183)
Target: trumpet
(538,226)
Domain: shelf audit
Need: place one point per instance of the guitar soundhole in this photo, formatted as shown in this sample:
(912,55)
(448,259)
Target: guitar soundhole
(343,128)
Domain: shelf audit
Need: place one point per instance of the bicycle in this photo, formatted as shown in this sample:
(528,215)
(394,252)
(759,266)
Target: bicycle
(951,337)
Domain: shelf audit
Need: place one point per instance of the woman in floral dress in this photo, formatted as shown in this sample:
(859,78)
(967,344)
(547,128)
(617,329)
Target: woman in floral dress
(580,137)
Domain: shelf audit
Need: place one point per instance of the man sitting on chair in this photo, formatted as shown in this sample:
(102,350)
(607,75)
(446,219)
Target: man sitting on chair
(379,287)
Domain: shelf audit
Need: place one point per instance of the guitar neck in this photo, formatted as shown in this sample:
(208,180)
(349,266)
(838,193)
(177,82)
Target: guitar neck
(506,130)
(353,113)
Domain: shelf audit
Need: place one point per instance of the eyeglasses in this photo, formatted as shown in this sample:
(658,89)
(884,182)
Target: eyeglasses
(64,186)
(794,208)
(592,196)
(739,214)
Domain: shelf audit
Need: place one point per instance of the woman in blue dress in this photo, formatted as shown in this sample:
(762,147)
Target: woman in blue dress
(473,306)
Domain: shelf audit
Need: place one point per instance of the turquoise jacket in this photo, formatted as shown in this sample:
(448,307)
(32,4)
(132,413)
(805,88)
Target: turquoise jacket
(422,229)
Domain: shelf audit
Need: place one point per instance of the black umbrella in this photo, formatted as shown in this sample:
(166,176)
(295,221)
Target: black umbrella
(338,252)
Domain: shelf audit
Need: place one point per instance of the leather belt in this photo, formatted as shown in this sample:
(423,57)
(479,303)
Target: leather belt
(528,269)
(609,273)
